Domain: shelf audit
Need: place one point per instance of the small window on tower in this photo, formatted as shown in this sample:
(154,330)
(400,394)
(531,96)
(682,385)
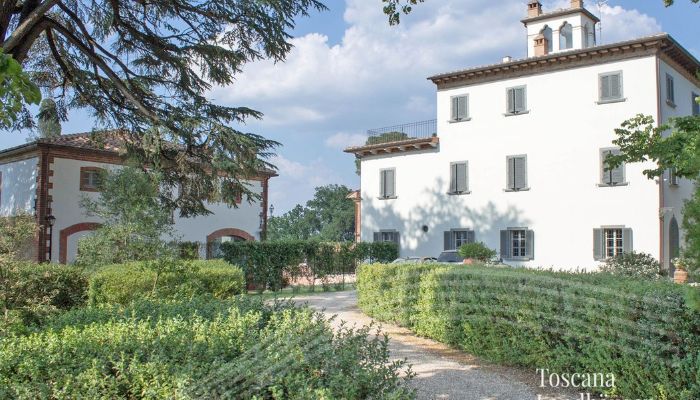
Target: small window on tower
(566,37)
(90,179)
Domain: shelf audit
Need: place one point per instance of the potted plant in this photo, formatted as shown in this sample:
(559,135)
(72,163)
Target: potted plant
(681,273)
(476,252)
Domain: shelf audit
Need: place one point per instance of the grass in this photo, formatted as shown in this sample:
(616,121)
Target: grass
(295,291)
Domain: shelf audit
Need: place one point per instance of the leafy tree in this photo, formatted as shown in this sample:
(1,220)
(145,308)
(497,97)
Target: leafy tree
(329,216)
(136,223)
(16,90)
(145,68)
(49,121)
(394,8)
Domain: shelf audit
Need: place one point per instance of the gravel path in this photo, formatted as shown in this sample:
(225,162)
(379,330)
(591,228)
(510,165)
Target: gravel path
(442,373)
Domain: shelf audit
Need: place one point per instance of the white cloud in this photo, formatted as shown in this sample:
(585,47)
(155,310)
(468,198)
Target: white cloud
(342,140)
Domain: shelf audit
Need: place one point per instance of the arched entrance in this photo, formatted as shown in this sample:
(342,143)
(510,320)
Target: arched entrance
(67,232)
(674,244)
(216,238)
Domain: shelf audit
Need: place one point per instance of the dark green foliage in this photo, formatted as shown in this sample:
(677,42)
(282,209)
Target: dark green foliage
(30,291)
(188,250)
(49,119)
(198,349)
(641,331)
(476,251)
(691,225)
(633,265)
(124,283)
(16,90)
(329,216)
(267,265)
(394,8)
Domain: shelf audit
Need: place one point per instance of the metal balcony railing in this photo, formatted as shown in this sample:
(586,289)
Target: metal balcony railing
(399,133)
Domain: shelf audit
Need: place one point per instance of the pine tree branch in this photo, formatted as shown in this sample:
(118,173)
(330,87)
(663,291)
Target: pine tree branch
(20,35)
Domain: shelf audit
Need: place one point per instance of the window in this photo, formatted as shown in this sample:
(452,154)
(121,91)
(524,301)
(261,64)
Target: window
(459,178)
(516,100)
(566,37)
(516,167)
(547,33)
(694,98)
(588,36)
(90,179)
(672,177)
(517,244)
(610,87)
(611,242)
(460,108)
(387,189)
(670,91)
(387,236)
(455,238)
(614,176)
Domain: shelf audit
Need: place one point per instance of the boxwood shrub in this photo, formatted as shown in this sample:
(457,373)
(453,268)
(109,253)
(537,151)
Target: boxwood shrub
(198,349)
(123,283)
(641,331)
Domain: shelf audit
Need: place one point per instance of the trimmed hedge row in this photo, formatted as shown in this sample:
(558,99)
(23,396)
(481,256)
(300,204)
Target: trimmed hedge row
(267,265)
(643,332)
(198,349)
(124,283)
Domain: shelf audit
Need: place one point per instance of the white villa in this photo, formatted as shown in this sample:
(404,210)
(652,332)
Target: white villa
(47,178)
(515,157)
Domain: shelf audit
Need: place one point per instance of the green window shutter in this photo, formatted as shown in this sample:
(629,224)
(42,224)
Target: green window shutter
(520,100)
(520,175)
(377,236)
(510,100)
(627,246)
(598,244)
(530,245)
(471,237)
(448,242)
(461,177)
(510,173)
(505,245)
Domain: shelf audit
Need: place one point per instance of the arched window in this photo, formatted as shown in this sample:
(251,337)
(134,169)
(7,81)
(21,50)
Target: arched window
(547,32)
(566,37)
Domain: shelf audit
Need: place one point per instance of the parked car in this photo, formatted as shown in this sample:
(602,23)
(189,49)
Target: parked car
(414,260)
(450,257)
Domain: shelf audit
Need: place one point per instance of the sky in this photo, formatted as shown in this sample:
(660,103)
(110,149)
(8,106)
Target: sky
(349,71)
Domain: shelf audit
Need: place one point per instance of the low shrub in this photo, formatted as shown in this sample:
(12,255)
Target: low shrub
(199,349)
(633,265)
(477,251)
(30,291)
(641,331)
(123,283)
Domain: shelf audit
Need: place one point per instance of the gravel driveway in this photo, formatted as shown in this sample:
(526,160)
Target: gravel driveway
(442,373)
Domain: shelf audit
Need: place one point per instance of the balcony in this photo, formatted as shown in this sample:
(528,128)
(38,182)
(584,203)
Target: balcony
(398,138)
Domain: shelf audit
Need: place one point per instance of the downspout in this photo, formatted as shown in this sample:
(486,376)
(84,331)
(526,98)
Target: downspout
(662,205)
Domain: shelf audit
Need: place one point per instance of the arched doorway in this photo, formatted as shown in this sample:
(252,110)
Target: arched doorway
(674,244)
(66,233)
(217,238)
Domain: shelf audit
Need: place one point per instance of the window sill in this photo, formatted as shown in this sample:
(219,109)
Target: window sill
(615,185)
(611,101)
(671,104)
(88,189)
(459,193)
(518,259)
(516,190)
(387,198)
(456,121)
(515,114)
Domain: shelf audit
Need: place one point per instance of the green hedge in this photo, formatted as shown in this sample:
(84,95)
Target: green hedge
(268,264)
(30,291)
(198,349)
(641,331)
(123,283)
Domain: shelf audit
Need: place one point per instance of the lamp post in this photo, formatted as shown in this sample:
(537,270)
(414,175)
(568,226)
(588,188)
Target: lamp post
(50,220)
(272,209)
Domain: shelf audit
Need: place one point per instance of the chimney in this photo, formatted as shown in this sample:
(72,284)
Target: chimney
(576,4)
(507,59)
(541,45)
(534,9)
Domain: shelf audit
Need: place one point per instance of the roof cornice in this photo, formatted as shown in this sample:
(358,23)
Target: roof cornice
(647,46)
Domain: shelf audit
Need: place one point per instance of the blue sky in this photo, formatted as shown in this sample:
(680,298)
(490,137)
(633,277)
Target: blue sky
(350,71)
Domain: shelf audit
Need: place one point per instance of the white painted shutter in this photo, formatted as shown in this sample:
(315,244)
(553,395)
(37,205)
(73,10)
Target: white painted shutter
(598,244)
(505,245)
(520,100)
(461,177)
(605,87)
(615,86)
(627,245)
(390,183)
(462,107)
(520,173)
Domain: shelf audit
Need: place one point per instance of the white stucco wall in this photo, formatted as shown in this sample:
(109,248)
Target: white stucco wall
(66,208)
(562,136)
(18,187)
(674,196)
